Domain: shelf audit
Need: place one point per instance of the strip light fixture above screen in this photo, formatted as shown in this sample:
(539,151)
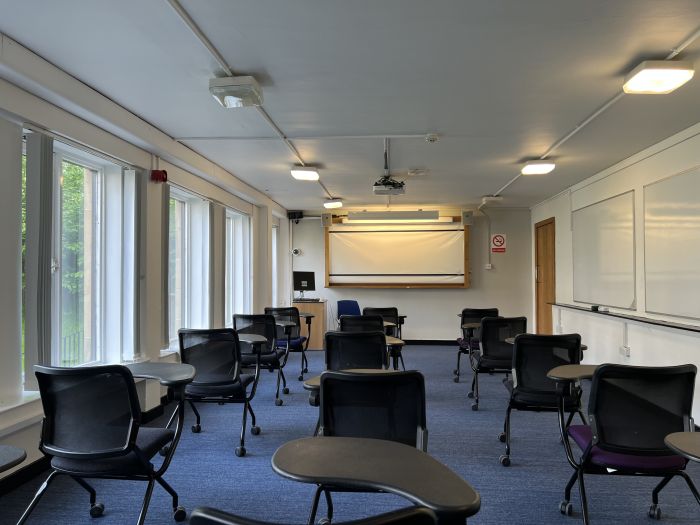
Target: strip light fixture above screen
(394,217)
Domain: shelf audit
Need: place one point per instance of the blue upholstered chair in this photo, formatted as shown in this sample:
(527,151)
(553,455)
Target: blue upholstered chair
(348,307)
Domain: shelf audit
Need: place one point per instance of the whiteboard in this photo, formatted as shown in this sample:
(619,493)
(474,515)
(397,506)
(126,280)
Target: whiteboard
(396,256)
(672,245)
(604,262)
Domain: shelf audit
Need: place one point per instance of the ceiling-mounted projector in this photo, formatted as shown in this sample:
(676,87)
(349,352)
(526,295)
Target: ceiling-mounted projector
(388,186)
(236,92)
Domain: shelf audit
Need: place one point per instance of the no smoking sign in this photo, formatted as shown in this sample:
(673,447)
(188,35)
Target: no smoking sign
(498,243)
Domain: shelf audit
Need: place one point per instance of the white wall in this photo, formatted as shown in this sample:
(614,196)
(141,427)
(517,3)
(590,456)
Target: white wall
(432,314)
(649,345)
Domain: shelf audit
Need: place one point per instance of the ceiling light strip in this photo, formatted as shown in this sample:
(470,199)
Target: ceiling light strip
(675,52)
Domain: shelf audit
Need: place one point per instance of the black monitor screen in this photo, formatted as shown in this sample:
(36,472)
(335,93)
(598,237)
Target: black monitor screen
(304,281)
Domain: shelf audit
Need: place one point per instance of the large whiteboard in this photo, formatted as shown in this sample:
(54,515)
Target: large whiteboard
(604,262)
(396,256)
(672,245)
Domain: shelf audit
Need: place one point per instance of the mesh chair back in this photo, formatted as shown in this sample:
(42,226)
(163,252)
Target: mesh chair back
(361,323)
(259,324)
(535,355)
(475,315)
(390,314)
(213,351)
(346,350)
(633,408)
(387,406)
(348,307)
(89,412)
(495,330)
(288,314)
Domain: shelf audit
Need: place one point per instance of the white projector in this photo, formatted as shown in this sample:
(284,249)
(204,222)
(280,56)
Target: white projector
(236,92)
(388,187)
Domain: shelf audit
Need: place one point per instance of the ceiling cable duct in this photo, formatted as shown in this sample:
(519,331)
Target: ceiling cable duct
(306,137)
(674,53)
(386,156)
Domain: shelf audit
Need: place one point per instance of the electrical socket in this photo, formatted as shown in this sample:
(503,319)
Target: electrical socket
(625,350)
(488,266)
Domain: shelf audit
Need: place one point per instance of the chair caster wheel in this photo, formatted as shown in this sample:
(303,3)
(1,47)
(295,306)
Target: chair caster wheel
(456,379)
(240,451)
(324,521)
(306,370)
(285,390)
(278,402)
(97,510)
(270,370)
(566,508)
(655,511)
(475,407)
(196,429)
(455,372)
(179,514)
(470,395)
(255,430)
(300,378)
(164,451)
(504,460)
(502,437)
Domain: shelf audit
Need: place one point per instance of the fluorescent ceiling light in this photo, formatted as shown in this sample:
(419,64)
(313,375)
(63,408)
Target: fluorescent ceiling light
(658,77)
(394,217)
(333,203)
(537,167)
(236,92)
(304,173)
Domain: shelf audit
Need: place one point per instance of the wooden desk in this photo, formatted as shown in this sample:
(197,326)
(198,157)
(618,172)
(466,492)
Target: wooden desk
(318,326)
(377,464)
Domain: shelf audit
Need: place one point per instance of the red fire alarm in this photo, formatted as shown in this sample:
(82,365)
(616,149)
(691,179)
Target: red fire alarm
(159,176)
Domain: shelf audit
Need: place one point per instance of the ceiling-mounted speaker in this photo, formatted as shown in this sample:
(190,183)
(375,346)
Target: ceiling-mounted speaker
(326,219)
(467,217)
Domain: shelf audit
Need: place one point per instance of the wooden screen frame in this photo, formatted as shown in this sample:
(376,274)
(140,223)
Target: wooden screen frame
(465,284)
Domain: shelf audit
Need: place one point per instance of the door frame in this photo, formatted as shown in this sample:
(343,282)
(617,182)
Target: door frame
(545,222)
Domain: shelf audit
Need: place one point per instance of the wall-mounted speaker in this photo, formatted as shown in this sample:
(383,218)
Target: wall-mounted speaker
(467,217)
(326,219)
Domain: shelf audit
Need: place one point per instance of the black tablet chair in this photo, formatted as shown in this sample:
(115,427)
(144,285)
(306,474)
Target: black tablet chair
(272,357)
(346,350)
(494,354)
(470,336)
(289,338)
(530,388)
(409,516)
(387,406)
(216,355)
(361,323)
(631,410)
(92,429)
(388,314)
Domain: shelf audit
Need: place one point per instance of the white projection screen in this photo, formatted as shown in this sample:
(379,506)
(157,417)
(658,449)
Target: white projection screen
(604,267)
(395,257)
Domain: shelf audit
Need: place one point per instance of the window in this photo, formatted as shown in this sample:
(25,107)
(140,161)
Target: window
(274,277)
(188,263)
(237,278)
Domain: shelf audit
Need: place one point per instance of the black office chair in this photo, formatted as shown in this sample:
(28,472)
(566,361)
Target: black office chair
(530,388)
(387,406)
(290,338)
(389,314)
(409,516)
(216,355)
(494,354)
(272,357)
(92,429)
(361,323)
(631,410)
(470,336)
(346,350)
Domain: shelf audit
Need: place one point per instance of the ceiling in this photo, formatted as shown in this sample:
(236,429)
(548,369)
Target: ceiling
(500,81)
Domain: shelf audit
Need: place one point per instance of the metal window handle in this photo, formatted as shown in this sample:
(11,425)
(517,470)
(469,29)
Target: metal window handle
(54,265)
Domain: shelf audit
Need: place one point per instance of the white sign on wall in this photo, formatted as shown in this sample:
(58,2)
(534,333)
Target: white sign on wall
(498,243)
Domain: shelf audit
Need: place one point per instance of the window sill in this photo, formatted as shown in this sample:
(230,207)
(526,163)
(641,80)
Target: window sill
(23,412)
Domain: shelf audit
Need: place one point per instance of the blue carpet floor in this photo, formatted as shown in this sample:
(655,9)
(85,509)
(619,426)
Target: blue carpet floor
(205,470)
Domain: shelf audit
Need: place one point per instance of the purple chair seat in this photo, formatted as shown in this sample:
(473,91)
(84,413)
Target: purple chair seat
(294,343)
(583,435)
(466,344)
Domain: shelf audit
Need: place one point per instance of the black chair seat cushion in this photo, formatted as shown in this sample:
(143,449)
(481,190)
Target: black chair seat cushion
(486,363)
(148,440)
(220,386)
(522,399)
(295,344)
(583,435)
(269,359)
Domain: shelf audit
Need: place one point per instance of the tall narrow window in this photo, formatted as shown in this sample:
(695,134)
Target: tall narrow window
(275,267)
(237,277)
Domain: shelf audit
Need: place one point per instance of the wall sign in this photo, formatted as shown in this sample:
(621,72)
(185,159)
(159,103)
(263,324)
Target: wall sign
(498,243)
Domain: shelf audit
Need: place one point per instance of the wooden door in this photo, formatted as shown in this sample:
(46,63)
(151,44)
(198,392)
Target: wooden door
(544,274)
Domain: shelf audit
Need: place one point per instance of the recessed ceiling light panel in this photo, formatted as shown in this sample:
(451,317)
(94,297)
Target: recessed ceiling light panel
(538,167)
(658,77)
(236,92)
(304,173)
(333,203)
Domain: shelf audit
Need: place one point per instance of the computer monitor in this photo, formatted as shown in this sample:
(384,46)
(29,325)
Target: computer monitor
(304,282)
